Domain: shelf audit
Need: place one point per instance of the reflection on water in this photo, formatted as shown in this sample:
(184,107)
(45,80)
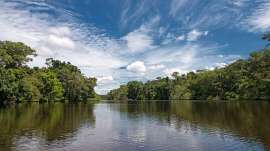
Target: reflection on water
(34,126)
(177,125)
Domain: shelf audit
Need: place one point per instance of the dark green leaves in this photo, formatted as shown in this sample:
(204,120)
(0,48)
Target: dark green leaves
(14,54)
(60,81)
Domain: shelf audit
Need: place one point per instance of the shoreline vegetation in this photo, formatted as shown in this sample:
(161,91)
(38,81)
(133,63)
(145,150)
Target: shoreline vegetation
(242,80)
(59,81)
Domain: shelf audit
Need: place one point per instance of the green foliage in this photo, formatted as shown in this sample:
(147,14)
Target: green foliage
(8,84)
(76,86)
(49,85)
(14,54)
(60,81)
(29,89)
(135,90)
(118,94)
(243,79)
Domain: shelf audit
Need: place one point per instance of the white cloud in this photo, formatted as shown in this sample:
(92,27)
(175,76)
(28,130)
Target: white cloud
(220,64)
(60,31)
(156,66)
(189,57)
(141,39)
(183,53)
(138,41)
(172,38)
(98,54)
(211,14)
(260,19)
(91,58)
(195,35)
(216,65)
(239,3)
(137,67)
(104,79)
(45,51)
(169,72)
(63,42)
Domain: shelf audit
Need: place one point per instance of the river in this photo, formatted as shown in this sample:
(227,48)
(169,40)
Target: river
(140,126)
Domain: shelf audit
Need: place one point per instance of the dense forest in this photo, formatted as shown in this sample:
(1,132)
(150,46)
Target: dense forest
(242,80)
(59,81)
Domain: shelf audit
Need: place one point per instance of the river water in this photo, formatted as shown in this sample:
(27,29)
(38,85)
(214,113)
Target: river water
(144,126)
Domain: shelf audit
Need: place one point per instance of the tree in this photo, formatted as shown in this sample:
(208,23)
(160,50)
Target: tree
(76,86)
(60,80)
(29,89)
(14,54)
(8,85)
(135,90)
(50,87)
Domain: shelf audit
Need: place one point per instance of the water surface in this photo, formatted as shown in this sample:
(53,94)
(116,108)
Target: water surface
(172,126)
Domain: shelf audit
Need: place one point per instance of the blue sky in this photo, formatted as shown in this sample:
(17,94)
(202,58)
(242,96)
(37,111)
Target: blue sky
(122,40)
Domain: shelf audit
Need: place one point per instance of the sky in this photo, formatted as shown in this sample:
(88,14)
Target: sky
(117,41)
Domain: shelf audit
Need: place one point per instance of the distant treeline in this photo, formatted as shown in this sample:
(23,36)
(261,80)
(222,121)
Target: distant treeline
(57,82)
(242,80)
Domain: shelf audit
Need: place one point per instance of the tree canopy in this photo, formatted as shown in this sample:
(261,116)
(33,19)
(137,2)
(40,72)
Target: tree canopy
(15,54)
(59,81)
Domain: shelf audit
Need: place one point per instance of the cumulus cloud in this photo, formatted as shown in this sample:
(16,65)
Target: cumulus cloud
(137,67)
(195,35)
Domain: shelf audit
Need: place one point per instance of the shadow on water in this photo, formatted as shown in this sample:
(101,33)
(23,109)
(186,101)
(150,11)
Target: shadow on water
(247,120)
(50,122)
